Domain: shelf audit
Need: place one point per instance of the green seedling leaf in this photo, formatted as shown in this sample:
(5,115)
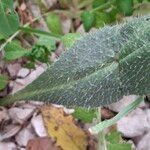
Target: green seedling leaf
(42,50)
(84,114)
(97,3)
(125,6)
(115,142)
(113,137)
(88,20)
(14,51)
(9,22)
(54,23)
(39,53)
(99,69)
(101,19)
(48,42)
(3,81)
(70,38)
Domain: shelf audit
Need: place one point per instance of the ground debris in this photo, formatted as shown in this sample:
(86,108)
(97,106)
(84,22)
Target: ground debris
(59,125)
(44,143)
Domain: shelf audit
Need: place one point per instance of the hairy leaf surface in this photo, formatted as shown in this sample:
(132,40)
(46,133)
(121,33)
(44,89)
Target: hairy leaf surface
(98,69)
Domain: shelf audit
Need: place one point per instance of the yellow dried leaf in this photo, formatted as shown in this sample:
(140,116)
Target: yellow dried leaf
(62,128)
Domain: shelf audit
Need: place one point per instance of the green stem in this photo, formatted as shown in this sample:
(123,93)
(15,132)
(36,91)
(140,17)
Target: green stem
(11,38)
(104,6)
(17,32)
(101,135)
(31,30)
(101,126)
(70,13)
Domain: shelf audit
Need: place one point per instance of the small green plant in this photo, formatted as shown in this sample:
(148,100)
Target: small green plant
(114,141)
(45,45)
(120,56)
(107,11)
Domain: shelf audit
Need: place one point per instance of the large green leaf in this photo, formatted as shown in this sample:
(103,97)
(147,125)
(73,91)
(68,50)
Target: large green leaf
(9,21)
(98,69)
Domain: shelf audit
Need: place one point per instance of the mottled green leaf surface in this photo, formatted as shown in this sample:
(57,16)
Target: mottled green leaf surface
(98,69)
(9,21)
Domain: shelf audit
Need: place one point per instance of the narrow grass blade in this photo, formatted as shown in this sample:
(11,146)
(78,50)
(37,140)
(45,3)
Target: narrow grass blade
(101,126)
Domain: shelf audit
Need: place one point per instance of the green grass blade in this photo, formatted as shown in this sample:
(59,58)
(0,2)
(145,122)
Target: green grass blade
(101,126)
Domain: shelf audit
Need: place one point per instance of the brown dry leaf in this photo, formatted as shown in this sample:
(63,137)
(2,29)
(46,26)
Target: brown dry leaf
(41,144)
(62,128)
